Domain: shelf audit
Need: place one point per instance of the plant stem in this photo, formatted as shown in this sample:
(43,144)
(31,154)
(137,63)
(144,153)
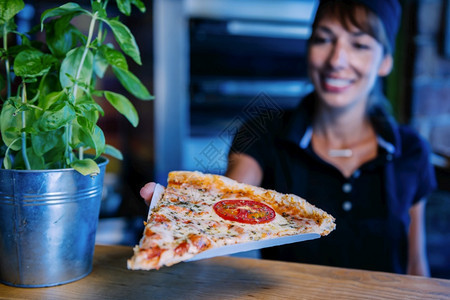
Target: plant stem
(68,129)
(24,135)
(80,67)
(8,74)
(85,52)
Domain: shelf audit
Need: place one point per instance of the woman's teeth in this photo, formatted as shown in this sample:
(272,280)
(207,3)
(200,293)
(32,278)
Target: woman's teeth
(339,83)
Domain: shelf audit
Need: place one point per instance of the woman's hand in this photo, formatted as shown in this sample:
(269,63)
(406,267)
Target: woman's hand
(147,192)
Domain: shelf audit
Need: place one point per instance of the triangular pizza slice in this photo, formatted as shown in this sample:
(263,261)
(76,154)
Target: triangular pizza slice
(199,212)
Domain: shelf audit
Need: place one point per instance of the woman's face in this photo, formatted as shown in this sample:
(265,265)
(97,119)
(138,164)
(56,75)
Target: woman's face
(344,64)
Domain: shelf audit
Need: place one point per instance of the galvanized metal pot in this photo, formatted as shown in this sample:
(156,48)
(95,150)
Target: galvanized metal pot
(48,221)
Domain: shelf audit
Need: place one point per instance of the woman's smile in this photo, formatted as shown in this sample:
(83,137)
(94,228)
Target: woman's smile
(336,84)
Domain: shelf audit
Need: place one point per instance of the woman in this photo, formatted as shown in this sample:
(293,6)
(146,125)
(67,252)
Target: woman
(342,152)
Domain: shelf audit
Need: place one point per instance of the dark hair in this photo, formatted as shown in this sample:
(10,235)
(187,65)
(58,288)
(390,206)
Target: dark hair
(351,13)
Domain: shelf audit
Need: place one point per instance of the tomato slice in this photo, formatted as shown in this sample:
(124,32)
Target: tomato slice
(244,211)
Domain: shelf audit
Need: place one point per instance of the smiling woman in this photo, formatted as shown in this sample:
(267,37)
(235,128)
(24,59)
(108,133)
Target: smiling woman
(342,151)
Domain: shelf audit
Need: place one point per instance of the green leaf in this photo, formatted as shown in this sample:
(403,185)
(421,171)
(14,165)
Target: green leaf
(125,39)
(7,159)
(31,64)
(43,142)
(68,8)
(61,36)
(86,124)
(139,4)
(49,60)
(124,106)
(47,85)
(9,8)
(70,66)
(94,139)
(7,163)
(10,122)
(98,7)
(100,65)
(60,116)
(87,134)
(48,100)
(28,129)
(36,161)
(55,157)
(98,138)
(86,166)
(113,57)
(87,108)
(124,6)
(114,152)
(132,84)
(77,135)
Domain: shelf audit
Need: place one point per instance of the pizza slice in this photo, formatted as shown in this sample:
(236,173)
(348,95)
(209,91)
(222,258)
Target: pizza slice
(198,212)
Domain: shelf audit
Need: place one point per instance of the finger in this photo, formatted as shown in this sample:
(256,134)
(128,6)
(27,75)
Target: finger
(147,192)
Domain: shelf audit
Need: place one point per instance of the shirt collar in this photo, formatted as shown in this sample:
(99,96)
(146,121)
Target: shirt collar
(306,139)
(299,128)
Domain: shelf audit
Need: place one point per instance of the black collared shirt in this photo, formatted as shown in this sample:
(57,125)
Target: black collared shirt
(371,206)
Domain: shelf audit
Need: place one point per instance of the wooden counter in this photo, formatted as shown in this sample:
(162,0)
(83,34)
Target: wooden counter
(232,277)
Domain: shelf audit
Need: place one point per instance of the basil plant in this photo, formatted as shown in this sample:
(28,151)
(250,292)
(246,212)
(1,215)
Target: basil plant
(49,101)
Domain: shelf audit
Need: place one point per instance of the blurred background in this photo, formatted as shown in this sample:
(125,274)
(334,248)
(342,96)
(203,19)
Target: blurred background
(212,64)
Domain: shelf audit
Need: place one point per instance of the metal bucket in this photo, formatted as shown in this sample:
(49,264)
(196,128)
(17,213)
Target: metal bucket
(48,221)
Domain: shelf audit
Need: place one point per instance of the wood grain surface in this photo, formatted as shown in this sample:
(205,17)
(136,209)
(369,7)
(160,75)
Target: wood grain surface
(232,278)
